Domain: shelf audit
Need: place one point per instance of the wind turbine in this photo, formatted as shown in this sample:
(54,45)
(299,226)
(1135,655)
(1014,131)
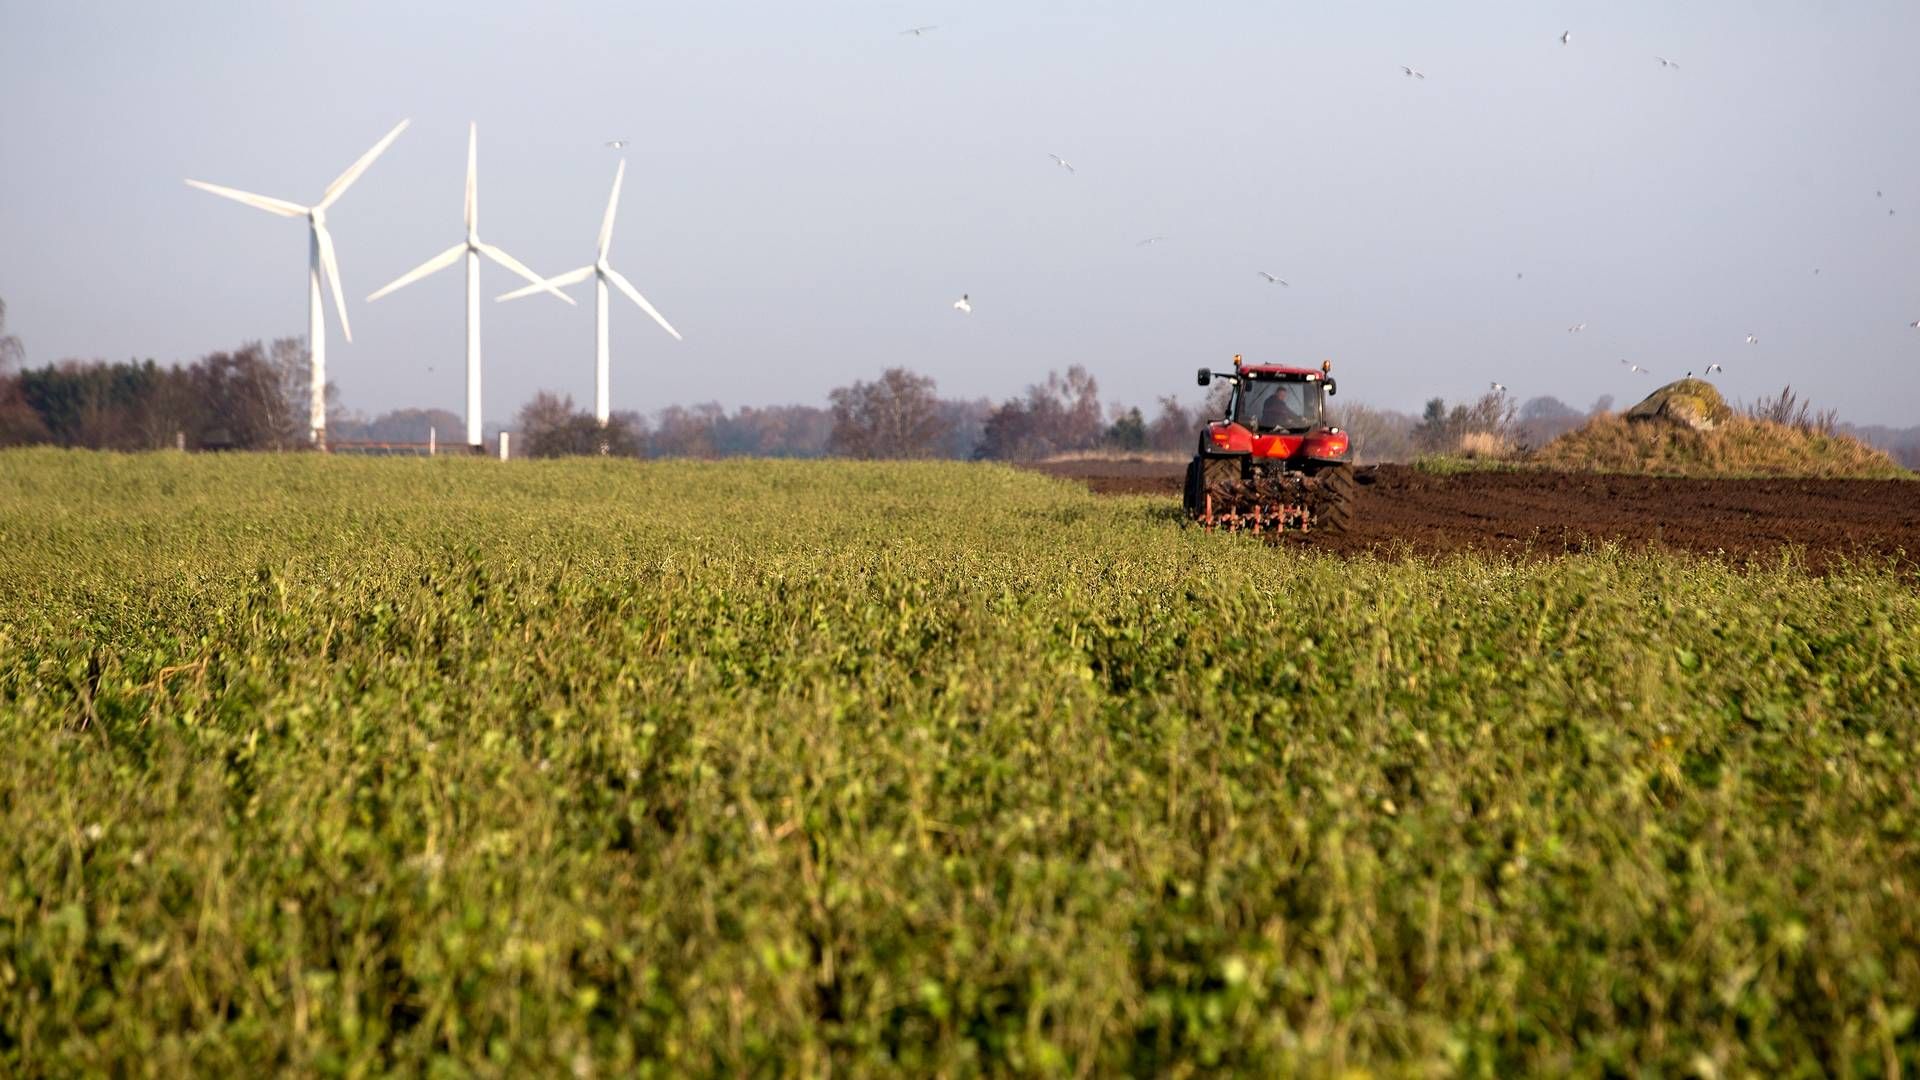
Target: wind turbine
(319,258)
(602,273)
(472,247)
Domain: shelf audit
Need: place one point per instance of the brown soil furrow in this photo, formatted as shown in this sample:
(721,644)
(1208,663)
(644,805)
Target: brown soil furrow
(1405,508)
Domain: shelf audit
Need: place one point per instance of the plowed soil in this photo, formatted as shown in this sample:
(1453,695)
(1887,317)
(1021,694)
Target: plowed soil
(1405,510)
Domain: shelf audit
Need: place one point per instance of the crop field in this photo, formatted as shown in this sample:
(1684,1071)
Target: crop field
(597,768)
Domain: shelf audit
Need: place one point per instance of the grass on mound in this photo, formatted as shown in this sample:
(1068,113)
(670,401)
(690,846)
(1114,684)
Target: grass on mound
(1740,446)
(457,767)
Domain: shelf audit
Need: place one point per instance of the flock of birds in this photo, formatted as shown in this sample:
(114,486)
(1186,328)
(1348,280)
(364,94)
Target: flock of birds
(1712,369)
(964,305)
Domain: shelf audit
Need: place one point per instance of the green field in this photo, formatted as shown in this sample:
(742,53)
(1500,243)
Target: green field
(588,768)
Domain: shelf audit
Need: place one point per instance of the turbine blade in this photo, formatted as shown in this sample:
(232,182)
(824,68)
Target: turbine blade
(258,202)
(571,277)
(437,263)
(633,294)
(345,180)
(515,265)
(613,203)
(473,168)
(331,269)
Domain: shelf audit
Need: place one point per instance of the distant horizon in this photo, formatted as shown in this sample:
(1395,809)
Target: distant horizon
(1190,397)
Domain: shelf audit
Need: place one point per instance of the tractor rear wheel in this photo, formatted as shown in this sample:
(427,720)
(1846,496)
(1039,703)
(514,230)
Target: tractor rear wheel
(1220,474)
(1215,476)
(1333,500)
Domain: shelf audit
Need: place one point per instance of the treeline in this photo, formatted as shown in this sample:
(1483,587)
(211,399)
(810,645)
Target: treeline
(242,400)
(900,414)
(1492,425)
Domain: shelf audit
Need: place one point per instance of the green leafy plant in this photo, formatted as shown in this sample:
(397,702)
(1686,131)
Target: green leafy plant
(587,766)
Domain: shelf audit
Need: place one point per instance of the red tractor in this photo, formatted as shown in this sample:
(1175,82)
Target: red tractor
(1273,463)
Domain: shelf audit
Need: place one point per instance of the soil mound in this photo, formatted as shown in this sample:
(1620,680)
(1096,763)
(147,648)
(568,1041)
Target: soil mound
(1733,446)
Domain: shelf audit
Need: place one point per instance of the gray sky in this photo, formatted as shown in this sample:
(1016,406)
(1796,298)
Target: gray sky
(809,190)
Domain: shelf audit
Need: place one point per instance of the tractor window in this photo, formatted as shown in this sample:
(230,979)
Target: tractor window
(1271,405)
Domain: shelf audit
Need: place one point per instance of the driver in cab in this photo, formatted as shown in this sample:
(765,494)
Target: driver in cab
(1279,413)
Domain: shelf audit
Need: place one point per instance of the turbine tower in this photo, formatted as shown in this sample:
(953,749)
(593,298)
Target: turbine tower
(602,273)
(319,259)
(472,247)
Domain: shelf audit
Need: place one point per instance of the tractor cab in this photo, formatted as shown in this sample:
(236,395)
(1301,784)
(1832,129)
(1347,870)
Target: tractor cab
(1276,413)
(1266,401)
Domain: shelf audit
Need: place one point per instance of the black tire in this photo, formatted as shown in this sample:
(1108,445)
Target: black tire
(1333,500)
(1219,474)
(1190,496)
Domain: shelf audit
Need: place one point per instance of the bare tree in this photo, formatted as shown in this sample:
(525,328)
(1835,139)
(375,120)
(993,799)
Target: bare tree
(289,408)
(1440,429)
(1376,434)
(1544,419)
(19,423)
(551,427)
(896,416)
(1060,414)
(686,431)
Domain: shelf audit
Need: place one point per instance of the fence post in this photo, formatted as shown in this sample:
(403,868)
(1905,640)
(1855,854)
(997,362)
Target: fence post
(433,440)
(503,446)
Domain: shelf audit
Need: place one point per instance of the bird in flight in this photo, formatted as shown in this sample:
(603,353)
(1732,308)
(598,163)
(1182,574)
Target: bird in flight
(1635,368)
(1413,73)
(1915,324)
(1566,36)
(1498,388)
(918,31)
(1752,340)
(1711,368)
(1666,63)
(1577,327)
(1062,162)
(1271,280)
(963,305)
(1150,240)
(617,144)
